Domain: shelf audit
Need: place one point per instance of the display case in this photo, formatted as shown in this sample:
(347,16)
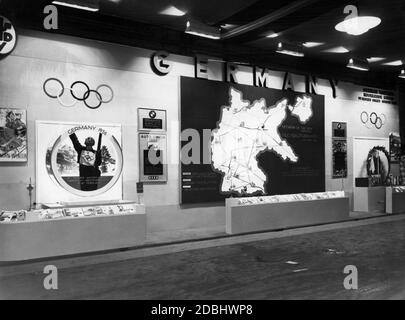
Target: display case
(256,214)
(71,230)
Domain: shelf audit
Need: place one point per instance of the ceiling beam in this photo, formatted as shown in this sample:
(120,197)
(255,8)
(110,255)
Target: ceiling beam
(274,16)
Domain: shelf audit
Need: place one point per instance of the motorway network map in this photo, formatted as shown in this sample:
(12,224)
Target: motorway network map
(247,129)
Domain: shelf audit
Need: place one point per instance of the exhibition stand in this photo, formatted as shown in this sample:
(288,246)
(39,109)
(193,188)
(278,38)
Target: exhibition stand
(262,214)
(395,200)
(41,236)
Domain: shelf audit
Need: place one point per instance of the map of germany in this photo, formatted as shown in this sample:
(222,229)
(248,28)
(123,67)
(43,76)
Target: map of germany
(244,131)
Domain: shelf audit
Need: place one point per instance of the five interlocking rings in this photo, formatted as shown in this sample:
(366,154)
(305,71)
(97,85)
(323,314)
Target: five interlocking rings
(374,119)
(87,93)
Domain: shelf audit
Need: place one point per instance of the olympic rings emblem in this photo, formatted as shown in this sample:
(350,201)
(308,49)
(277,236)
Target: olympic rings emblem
(84,96)
(378,121)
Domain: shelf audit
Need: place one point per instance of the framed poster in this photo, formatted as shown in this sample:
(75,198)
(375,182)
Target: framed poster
(339,158)
(153,157)
(395,148)
(152,120)
(78,162)
(13,135)
(339,150)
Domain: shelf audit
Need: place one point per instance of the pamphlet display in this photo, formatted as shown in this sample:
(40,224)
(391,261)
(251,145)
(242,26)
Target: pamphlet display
(71,230)
(246,215)
(292,197)
(51,214)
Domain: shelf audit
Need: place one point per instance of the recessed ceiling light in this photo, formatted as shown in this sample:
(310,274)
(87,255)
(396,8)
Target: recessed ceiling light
(394,63)
(358,25)
(358,64)
(92,6)
(336,50)
(402,74)
(312,44)
(375,59)
(272,35)
(172,11)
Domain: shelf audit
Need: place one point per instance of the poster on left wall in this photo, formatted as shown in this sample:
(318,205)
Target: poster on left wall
(78,162)
(13,135)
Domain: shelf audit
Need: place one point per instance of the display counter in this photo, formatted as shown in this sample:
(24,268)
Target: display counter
(395,200)
(46,233)
(279,212)
(369,199)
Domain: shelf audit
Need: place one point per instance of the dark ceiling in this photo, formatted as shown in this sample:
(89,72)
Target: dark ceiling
(246,23)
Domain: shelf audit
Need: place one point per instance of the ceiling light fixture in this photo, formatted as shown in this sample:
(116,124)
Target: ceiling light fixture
(337,50)
(396,63)
(290,49)
(358,25)
(202,30)
(228,26)
(375,59)
(172,11)
(359,64)
(87,5)
(272,35)
(402,74)
(312,44)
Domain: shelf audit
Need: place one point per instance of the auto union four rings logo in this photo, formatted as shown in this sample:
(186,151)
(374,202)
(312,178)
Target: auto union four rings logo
(373,119)
(79,91)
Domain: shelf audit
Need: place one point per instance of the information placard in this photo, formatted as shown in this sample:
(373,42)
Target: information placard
(152,120)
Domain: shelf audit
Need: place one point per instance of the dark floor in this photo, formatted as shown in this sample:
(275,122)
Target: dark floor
(256,270)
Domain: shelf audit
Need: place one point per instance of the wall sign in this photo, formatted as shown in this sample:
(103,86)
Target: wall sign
(78,162)
(160,63)
(378,96)
(8,36)
(153,157)
(151,120)
(13,135)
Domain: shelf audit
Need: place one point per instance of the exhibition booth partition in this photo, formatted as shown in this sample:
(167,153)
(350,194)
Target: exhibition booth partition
(98,149)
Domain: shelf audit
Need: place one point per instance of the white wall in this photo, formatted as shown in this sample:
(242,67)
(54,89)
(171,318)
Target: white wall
(39,56)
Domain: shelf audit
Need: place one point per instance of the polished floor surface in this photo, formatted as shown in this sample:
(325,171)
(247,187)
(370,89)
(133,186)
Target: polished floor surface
(305,266)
